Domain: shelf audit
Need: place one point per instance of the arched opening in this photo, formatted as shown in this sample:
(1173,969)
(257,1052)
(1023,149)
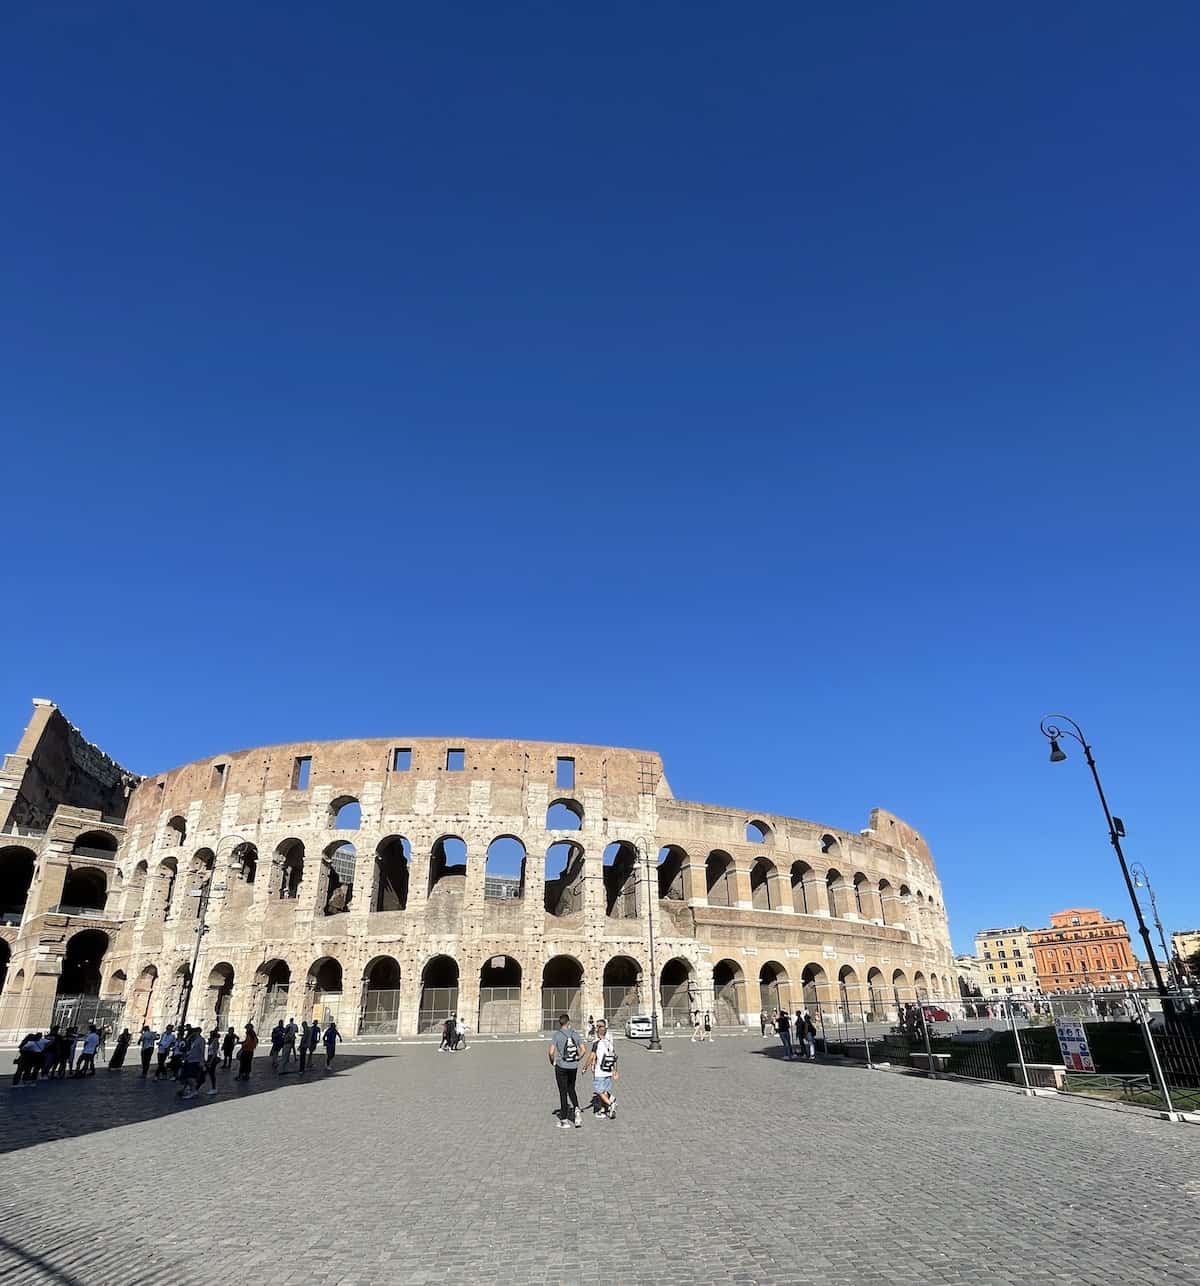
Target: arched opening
(564,815)
(764,885)
(830,846)
(179,985)
(887,902)
(564,879)
(448,867)
(135,891)
(272,982)
(95,844)
(920,985)
(801,877)
(906,906)
(774,987)
(323,990)
(504,870)
(84,891)
(392,866)
(345,813)
(622,990)
(813,986)
(115,986)
(289,864)
(833,892)
(759,834)
(499,995)
(719,879)
(727,1007)
(142,998)
(81,964)
(243,863)
(5,959)
(671,863)
(677,993)
(203,861)
(337,878)
(439,993)
(176,832)
(381,997)
(166,881)
(901,988)
(16,875)
(862,897)
(621,881)
(219,995)
(848,997)
(878,996)
(562,988)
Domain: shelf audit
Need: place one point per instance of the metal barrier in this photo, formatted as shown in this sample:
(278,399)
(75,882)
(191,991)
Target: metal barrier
(380,1013)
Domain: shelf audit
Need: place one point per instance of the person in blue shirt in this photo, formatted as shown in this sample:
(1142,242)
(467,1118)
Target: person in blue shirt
(332,1036)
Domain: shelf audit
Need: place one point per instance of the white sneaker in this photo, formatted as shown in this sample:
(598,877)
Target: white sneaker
(564,1125)
(578,1119)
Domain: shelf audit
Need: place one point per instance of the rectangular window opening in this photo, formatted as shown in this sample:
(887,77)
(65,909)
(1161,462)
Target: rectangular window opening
(218,777)
(456,760)
(301,772)
(401,759)
(564,773)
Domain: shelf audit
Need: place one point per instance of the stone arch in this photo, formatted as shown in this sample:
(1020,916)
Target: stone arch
(835,888)
(677,992)
(802,876)
(5,961)
(337,877)
(439,993)
(830,846)
(499,995)
(345,813)
(814,985)
(564,879)
(774,986)
(99,844)
(272,985)
(393,856)
(504,869)
(887,901)
(878,995)
(729,982)
(564,815)
(719,879)
(848,993)
(760,834)
(621,863)
(17,865)
(764,885)
(84,889)
(901,988)
(448,868)
(289,867)
(166,889)
(243,862)
(143,996)
(81,963)
(219,994)
(622,984)
(115,986)
(380,997)
(562,991)
(176,831)
(672,862)
(863,907)
(920,985)
(203,860)
(323,989)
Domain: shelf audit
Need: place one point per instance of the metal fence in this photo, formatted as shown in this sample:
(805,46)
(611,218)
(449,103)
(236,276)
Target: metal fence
(437,1004)
(499,1010)
(78,1011)
(380,1013)
(561,1000)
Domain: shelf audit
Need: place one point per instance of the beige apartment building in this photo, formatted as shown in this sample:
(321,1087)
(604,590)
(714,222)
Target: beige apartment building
(1005,961)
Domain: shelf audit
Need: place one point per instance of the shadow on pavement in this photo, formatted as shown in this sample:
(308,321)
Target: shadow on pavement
(66,1109)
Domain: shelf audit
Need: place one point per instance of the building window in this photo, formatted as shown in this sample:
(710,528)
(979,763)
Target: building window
(301,772)
(564,773)
(401,759)
(218,776)
(456,760)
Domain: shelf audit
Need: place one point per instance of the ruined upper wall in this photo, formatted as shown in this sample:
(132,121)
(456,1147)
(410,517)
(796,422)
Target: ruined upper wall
(55,764)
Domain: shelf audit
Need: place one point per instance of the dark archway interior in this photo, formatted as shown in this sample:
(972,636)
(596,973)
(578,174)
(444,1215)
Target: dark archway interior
(384,975)
(81,964)
(441,971)
(564,878)
(562,971)
(16,875)
(391,875)
(505,974)
(620,881)
(85,889)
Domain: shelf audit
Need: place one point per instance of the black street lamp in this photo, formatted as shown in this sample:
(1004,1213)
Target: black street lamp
(1141,879)
(1054,728)
(204,892)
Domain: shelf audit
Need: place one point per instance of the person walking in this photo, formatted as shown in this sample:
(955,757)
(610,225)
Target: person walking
(697,1028)
(447,1037)
(212,1056)
(810,1038)
(276,1044)
(118,1058)
(460,1033)
(49,1052)
(29,1059)
(289,1046)
(146,1042)
(707,1025)
(332,1036)
(72,1043)
(193,1063)
(314,1038)
(303,1045)
(602,1063)
(87,1060)
(783,1025)
(246,1053)
(227,1047)
(64,1047)
(566,1046)
(591,1028)
(165,1041)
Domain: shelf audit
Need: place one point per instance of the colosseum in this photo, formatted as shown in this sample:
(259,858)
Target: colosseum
(389,883)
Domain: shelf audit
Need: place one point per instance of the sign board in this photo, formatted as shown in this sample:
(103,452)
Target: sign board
(1072,1040)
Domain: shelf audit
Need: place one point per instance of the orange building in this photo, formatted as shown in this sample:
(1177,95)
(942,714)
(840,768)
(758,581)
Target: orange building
(1083,948)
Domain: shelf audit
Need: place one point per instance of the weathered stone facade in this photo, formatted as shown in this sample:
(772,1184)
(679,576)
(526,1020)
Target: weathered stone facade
(744,908)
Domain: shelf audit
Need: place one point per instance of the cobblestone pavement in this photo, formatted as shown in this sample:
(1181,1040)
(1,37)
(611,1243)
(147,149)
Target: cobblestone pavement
(726,1165)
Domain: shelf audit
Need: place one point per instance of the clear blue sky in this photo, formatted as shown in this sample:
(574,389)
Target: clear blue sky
(806,391)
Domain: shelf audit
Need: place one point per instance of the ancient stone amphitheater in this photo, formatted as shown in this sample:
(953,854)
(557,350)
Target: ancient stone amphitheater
(390,883)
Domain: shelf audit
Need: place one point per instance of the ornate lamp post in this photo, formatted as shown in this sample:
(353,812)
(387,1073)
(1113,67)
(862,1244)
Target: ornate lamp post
(1054,728)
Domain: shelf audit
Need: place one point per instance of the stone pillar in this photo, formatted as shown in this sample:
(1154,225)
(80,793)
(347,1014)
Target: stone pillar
(743,898)
(872,906)
(814,895)
(410,995)
(693,884)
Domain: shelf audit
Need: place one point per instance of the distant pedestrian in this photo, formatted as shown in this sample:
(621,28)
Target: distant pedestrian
(246,1053)
(763,1019)
(289,1046)
(29,1059)
(212,1056)
(49,1052)
(314,1037)
(460,1034)
(564,1053)
(71,1044)
(303,1045)
(165,1042)
(227,1047)
(447,1037)
(87,1060)
(591,1028)
(707,1025)
(146,1043)
(810,1038)
(276,1044)
(193,1063)
(783,1025)
(602,1062)
(697,1027)
(332,1036)
(118,1058)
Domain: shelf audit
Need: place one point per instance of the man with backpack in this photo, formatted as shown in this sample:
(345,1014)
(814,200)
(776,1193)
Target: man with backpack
(566,1045)
(602,1062)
